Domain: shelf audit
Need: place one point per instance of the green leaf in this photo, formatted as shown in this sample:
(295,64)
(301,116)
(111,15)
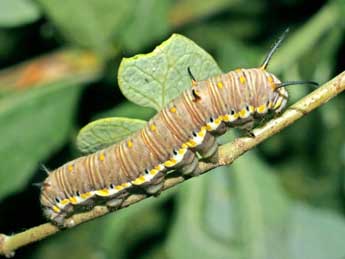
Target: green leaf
(102,133)
(179,51)
(142,29)
(232,212)
(33,125)
(17,12)
(129,110)
(189,237)
(315,233)
(90,23)
(113,129)
(241,212)
(153,79)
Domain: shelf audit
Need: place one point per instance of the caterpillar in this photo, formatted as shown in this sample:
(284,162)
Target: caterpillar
(173,140)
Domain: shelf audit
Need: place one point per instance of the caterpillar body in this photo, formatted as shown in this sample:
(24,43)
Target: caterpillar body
(187,125)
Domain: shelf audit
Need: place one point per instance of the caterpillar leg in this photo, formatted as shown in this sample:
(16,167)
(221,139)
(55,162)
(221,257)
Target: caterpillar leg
(250,133)
(59,220)
(222,128)
(62,221)
(154,189)
(190,164)
(156,185)
(209,147)
(247,127)
(69,223)
(114,203)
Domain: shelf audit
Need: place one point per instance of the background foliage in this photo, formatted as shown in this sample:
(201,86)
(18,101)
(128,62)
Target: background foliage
(59,62)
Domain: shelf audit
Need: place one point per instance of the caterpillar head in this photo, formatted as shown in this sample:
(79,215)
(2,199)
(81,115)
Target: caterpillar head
(50,200)
(280,94)
(280,100)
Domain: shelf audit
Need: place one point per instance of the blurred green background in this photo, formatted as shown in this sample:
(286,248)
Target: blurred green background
(59,61)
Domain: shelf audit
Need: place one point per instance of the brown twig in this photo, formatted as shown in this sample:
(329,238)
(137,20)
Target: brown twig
(227,154)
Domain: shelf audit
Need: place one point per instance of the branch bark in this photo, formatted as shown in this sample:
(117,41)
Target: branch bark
(228,153)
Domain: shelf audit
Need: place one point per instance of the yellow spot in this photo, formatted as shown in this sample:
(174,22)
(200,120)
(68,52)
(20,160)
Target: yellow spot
(243,113)
(56,209)
(153,172)
(191,143)
(220,85)
(251,109)
(125,185)
(73,200)
(271,82)
(181,151)
(209,128)
(129,143)
(184,145)
(261,108)
(64,202)
(218,120)
(153,127)
(119,187)
(235,116)
(70,168)
(226,118)
(159,167)
(173,109)
(201,133)
(101,157)
(85,195)
(103,192)
(242,79)
(139,180)
(170,163)
(238,70)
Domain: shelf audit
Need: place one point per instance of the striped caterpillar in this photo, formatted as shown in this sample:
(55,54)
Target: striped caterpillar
(171,140)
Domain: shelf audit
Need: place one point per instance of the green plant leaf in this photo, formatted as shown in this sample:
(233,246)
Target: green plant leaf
(189,237)
(232,212)
(143,28)
(102,133)
(90,23)
(129,110)
(152,80)
(17,12)
(33,125)
(315,233)
(175,53)
(241,212)
(107,130)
